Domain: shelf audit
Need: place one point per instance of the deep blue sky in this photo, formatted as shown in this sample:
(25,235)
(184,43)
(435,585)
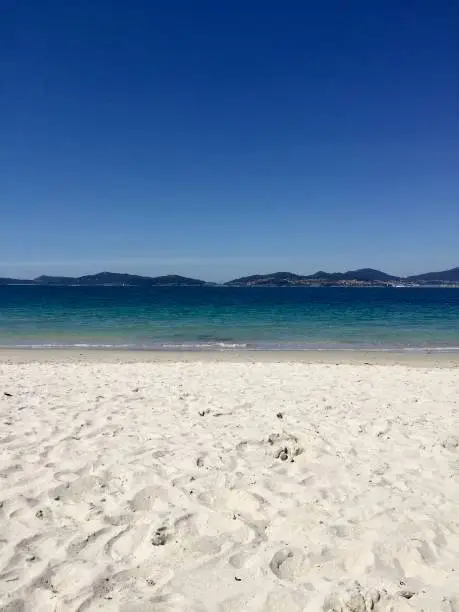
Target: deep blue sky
(216,138)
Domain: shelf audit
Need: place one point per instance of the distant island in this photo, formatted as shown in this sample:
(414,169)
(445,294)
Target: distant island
(110,279)
(364,277)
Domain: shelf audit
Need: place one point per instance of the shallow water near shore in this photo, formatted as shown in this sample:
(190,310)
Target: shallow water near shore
(222,318)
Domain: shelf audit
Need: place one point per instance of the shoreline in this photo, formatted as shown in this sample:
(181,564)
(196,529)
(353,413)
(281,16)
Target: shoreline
(443,359)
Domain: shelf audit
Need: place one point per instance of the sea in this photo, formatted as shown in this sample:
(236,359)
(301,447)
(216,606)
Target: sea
(230,318)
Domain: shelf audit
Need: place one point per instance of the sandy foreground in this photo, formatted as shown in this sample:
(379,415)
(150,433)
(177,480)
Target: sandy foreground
(232,485)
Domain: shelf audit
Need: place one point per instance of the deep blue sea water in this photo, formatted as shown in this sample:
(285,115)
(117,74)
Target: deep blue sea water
(228,318)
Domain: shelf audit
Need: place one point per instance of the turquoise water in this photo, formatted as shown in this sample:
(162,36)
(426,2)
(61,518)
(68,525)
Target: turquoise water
(226,318)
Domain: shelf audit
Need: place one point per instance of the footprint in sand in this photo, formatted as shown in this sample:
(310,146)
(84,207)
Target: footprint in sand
(235,500)
(160,536)
(241,559)
(150,498)
(353,599)
(286,440)
(288,564)
(130,542)
(198,536)
(451,443)
(84,488)
(287,446)
(72,577)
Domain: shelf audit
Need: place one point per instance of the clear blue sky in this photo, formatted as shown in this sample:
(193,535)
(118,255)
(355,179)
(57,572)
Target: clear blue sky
(214,139)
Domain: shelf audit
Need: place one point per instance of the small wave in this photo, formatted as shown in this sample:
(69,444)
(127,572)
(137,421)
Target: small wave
(229,346)
(152,347)
(206,345)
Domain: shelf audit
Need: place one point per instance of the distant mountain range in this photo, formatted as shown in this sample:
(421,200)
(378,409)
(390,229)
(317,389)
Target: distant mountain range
(287,278)
(108,279)
(363,276)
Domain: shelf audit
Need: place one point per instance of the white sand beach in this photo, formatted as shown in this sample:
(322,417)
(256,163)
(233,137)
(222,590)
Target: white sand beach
(220,484)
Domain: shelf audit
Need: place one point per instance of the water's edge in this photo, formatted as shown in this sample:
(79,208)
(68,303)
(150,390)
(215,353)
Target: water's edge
(221,347)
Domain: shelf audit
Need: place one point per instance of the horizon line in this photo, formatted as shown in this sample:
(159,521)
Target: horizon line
(223,282)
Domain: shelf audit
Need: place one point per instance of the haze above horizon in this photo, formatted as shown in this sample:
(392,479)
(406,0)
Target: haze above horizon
(216,140)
